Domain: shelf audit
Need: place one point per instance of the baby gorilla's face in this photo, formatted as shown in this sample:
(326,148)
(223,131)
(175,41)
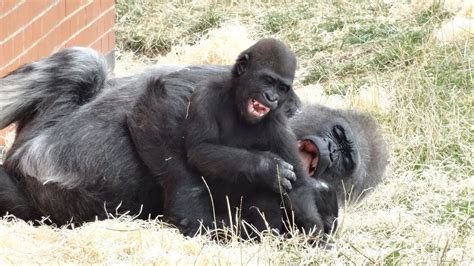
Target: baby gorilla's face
(262,79)
(263,95)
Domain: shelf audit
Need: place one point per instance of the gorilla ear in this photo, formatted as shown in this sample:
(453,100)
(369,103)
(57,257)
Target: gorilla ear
(293,105)
(241,65)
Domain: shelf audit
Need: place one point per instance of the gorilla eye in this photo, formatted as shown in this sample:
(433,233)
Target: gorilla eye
(338,132)
(269,80)
(284,88)
(347,162)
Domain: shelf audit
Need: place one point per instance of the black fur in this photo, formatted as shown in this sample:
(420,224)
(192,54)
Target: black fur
(75,156)
(13,200)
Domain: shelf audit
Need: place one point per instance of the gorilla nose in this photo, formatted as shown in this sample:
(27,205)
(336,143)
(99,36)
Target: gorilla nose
(271,97)
(331,151)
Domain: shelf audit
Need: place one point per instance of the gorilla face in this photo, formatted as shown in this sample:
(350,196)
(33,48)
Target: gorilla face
(264,95)
(344,148)
(331,152)
(262,79)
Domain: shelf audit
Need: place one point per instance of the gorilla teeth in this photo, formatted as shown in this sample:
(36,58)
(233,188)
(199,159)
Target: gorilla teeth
(256,108)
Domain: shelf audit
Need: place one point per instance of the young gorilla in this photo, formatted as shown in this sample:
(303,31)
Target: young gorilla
(237,137)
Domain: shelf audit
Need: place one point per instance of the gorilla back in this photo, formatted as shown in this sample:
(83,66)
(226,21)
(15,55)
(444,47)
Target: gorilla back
(73,157)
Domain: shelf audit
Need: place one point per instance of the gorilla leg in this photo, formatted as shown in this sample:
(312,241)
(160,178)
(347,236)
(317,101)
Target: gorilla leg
(13,200)
(263,211)
(64,205)
(187,202)
(156,129)
(73,154)
(247,216)
(53,86)
(39,95)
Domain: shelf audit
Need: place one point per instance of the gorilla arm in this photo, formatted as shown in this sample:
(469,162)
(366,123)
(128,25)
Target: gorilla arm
(215,160)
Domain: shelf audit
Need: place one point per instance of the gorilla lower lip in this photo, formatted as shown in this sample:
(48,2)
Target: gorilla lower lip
(309,154)
(257,109)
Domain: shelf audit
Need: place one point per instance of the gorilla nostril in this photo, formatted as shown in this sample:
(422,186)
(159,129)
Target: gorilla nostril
(270,96)
(331,152)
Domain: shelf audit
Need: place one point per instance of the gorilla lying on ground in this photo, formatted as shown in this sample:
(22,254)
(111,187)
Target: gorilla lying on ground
(73,157)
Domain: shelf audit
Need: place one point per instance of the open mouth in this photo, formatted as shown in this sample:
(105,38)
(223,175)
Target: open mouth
(257,109)
(309,154)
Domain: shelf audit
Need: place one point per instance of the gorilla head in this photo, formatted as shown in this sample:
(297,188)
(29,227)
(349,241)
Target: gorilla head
(342,147)
(262,79)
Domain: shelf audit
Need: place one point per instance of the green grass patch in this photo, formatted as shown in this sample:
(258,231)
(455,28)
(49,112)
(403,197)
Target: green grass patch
(332,24)
(399,51)
(151,29)
(335,70)
(209,19)
(369,33)
(460,206)
(433,15)
(278,19)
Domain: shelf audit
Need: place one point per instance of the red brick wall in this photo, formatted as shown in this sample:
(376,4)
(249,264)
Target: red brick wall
(32,29)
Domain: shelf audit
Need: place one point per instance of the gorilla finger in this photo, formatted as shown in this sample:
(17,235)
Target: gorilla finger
(290,175)
(286,186)
(284,165)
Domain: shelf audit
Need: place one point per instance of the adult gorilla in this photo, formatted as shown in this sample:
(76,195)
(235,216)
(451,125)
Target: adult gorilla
(73,155)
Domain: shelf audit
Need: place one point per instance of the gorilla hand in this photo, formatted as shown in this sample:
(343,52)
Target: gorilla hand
(317,211)
(275,173)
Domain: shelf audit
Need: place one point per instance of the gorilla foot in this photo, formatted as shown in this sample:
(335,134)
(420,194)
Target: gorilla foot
(188,226)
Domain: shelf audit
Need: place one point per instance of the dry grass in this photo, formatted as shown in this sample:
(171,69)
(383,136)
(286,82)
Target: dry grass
(384,57)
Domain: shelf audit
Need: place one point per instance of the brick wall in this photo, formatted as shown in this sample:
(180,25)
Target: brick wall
(32,29)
